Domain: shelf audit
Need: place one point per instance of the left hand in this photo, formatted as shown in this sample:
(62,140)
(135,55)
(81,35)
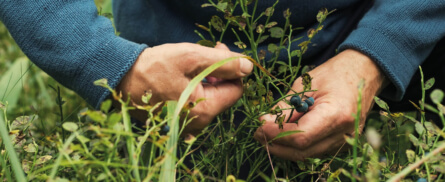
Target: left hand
(331,116)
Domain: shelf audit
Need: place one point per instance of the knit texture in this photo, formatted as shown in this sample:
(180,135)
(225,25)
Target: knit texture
(399,36)
(69,41)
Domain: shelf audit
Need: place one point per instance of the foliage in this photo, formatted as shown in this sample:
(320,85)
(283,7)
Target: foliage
(54,136)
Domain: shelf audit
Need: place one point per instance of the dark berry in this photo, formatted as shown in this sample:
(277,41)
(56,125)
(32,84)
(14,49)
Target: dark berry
(302,108)
(166,128)
(295,100)
(205,80)
(310,101)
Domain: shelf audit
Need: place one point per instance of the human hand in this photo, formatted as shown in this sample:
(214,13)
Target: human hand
(167,69)
(331,116)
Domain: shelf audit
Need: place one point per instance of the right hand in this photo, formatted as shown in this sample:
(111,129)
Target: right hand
(167,69)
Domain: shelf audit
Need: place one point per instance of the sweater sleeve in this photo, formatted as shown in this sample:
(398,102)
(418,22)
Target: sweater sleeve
(69,41)
(398,36)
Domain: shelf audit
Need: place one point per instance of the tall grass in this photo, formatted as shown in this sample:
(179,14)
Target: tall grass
(105,145)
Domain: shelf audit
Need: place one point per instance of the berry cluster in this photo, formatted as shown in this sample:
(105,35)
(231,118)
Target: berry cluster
(301,106)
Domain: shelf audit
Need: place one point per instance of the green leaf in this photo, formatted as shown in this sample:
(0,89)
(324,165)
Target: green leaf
(240,45)
(206,5)
(271,24)
(411,155)
(245,15)
(31,148)
(382,104)
(105,106)
(114,118)
(217,23)
(437,96)
(286,13)
(222,6)
(269,11)
(82,138)
(440,168)
(419,128)
(429,83)
(272,48)
(349,139)
(276,32)
(286,133)
(430,127)
(97,116)
(101,82)
(321,16)
(43,159)
(12,81)
(206,43)
(260,28)
(263,38)
(295,53)
(70,126)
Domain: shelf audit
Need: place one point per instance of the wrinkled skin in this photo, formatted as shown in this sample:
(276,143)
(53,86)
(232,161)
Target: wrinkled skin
(167,69)
(331,116)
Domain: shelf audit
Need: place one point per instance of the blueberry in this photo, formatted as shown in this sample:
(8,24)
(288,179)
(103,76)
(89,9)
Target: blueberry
(310,101)
(302,108)
(166,128)
(422,180)
(205,80)
(295,100)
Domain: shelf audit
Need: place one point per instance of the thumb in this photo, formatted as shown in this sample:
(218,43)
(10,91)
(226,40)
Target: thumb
(237,68)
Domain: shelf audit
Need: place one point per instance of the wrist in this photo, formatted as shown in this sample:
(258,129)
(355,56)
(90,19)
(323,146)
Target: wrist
(364,68)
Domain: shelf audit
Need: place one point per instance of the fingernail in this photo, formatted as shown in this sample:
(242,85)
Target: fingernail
(246,66)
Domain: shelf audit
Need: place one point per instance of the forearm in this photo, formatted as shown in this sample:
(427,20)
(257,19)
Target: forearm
(69,41)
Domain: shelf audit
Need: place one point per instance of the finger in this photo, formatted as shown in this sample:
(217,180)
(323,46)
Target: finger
(218,98)
(222,46)
(287,111)
(328,146)
(316,125)
(199,58)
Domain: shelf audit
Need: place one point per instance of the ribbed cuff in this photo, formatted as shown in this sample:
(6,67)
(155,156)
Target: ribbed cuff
(112,62)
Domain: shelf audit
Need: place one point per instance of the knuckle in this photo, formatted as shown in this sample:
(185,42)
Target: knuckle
(301,141)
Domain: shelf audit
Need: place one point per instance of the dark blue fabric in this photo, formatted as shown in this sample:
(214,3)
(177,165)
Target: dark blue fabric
(75,46)
(69,41)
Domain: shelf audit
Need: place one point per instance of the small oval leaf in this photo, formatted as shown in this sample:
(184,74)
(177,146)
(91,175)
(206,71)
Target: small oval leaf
(70,126)
(437,96)
(429,83)
(382,104)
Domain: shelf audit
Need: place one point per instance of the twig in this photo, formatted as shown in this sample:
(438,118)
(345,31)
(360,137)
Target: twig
(268,154)
(325,168)
(399,176)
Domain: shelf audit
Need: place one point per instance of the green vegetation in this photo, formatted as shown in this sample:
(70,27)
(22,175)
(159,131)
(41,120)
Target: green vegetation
(55,136)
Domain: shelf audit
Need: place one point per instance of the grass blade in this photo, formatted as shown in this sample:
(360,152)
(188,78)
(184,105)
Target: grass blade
(15,162)
(10,82)
(286,133)
(168,171)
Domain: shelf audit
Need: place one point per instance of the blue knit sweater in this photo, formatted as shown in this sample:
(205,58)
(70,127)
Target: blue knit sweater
(69,41)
